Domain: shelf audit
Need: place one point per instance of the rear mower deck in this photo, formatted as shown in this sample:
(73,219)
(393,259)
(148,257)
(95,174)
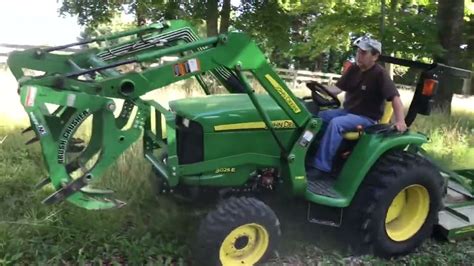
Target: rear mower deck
(456,220)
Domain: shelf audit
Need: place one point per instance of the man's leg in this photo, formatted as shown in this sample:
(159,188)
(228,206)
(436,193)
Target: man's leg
(333,136)
(328,115)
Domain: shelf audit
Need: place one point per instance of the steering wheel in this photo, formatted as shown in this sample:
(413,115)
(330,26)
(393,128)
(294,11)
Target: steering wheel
(320,94)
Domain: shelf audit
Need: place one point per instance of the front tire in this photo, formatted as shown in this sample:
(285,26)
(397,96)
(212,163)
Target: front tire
(241,231)
(396,206)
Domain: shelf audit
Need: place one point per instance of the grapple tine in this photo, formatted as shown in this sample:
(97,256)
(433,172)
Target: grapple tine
(43,183)
(75,148)
(67,190)
(76,141)
(30,128)
(95,198)
(72,166)
(95,191)
(31,141)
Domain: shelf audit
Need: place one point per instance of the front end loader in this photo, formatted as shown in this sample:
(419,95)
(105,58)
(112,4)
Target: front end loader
(236,146)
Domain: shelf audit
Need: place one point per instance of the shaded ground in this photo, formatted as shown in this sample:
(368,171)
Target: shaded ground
(311,244)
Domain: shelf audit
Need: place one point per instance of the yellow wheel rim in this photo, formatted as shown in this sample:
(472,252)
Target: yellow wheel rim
(245,245)
(407,213)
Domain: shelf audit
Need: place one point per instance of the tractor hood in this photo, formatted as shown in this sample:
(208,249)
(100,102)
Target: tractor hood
(230,112)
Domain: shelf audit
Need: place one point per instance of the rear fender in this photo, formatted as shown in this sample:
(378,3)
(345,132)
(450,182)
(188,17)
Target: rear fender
(366,153)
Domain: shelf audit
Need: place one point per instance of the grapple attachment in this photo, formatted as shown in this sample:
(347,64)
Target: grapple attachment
(71,162)
(67,97)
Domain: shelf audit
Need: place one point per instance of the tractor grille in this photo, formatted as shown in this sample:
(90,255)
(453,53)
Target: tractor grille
(190,141)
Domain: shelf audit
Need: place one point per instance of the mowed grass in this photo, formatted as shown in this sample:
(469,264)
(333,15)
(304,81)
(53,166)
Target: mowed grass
(158,230)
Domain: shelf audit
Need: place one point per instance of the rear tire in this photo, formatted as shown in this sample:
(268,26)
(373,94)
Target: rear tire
(241,231)
(396,206)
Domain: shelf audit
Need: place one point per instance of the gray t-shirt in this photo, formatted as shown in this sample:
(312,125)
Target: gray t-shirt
(367,91)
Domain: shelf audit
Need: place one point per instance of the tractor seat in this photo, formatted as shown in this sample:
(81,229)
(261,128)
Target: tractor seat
(387,115)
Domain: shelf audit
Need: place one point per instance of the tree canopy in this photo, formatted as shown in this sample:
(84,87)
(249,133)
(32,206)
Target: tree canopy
(312,34)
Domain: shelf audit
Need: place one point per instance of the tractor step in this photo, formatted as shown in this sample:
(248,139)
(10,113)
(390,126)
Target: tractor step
(324,215)
(457,222)
(323,187)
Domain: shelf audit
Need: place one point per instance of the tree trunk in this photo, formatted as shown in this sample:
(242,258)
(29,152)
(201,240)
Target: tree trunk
(469,59)
(450,22)
(140,14)
(225,17)
(393,11)
(211,18)
(382,20)
(318,64)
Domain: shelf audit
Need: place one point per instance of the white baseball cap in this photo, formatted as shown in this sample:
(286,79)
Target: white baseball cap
(366,43)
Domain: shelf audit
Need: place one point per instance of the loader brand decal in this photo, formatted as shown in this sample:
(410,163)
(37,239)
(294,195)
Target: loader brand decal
(277,124)
(190,66)
(68,131)
(30,96)
(36,123)
(71,100)
(283,94)
(283,124)
(225,170)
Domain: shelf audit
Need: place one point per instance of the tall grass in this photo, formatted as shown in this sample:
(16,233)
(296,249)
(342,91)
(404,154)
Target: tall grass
(146,230)
(451,137)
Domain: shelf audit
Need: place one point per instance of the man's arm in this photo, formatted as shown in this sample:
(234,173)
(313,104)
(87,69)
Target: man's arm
(399,114)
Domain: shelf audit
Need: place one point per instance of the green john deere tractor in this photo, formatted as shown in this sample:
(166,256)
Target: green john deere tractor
(388,193)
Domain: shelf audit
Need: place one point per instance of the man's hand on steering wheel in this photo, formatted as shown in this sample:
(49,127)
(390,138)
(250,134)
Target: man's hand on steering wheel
(319,94)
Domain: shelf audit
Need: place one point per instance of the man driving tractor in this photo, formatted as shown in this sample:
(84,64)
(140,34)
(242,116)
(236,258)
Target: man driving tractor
(367,86)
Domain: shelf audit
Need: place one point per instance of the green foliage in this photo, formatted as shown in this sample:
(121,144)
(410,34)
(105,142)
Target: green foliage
(334,28)
(413,33)
(408,32)
(469,10)
(300,31)
(268,24)
(116,24)
(91,13)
